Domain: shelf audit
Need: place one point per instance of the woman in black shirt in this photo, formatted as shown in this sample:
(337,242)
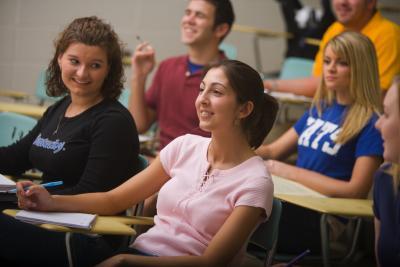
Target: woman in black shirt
(88,139)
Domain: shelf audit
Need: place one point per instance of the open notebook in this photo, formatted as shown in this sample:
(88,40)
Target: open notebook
(69,219)
(288,187)
(6,184)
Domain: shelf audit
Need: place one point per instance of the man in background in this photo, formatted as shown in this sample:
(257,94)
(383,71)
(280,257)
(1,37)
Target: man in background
(352,15)
(172,94)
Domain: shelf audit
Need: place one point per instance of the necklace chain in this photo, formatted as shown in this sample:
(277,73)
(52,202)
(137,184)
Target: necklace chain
(60,119)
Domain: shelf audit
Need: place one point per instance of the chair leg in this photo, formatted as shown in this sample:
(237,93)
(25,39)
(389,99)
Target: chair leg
(325,240)
(68,248)
(354,242)
(270,255)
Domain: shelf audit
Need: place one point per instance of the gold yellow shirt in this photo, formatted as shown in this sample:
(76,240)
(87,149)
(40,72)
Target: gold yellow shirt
(384,34)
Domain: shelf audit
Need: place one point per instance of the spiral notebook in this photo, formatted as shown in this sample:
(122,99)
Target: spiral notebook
(69,219)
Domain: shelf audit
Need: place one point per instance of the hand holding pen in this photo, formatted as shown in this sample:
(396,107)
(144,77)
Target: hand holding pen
(35,197)
(45,185)
(143,59)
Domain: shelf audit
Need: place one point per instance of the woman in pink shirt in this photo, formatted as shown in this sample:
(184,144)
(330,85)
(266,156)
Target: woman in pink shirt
(213,192)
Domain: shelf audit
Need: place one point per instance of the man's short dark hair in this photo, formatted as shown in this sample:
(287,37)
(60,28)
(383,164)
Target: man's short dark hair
(223,13)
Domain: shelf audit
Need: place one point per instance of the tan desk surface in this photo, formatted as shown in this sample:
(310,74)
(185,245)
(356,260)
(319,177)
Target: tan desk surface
(269,33)
(334,206)
(114,225)
(14,94)
(290,98)
(25,109)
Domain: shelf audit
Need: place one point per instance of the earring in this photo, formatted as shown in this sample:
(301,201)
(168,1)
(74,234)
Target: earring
(237,122)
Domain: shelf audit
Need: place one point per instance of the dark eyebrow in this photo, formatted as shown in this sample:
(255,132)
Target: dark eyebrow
(217,83)
(196,12)
(95,60)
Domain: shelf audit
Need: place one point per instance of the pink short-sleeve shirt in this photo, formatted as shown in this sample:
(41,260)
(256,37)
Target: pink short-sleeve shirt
(190,211)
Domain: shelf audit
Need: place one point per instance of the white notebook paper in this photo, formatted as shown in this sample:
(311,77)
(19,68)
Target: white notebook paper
(6,184)
(69,219)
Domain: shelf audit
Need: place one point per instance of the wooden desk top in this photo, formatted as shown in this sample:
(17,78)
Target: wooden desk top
(334,206)
(290,98)
(14,94)
(25,109)
(268,33)
(300,195)
(113,225)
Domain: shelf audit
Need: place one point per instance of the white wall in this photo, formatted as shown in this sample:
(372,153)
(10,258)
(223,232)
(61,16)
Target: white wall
(28,28)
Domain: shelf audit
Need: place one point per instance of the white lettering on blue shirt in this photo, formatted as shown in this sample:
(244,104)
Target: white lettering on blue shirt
(45,143)
(317,130)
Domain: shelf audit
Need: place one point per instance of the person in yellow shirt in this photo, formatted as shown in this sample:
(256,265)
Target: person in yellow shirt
(353,15)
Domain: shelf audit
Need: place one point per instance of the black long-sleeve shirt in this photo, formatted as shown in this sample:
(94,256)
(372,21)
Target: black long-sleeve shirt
(94,151)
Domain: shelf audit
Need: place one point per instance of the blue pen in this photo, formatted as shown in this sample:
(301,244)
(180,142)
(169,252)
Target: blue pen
(297,258)
(45,185)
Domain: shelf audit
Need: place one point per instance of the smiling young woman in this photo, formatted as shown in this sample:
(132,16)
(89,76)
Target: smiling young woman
(88,140)
(83,71)
(338,147)
(387,182)
(190,173)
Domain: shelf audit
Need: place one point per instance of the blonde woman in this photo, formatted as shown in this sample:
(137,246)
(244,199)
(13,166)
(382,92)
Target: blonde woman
(338,147)
(387,181)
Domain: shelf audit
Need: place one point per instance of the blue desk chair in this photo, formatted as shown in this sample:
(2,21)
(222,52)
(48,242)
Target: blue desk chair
(124,97)
(41,88)
(295,67)
(13,127)
(262,243)
(292,68)
(229,49)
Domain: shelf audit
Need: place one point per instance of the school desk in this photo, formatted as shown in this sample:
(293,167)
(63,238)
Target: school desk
(25,109)
(112,225)
(300,195)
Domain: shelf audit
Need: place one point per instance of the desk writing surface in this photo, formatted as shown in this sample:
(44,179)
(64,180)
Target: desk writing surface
(25,109)
(14,94)
(291,98)
(333,206)
(114,225)
(288,187)
(269,33)
(305,197)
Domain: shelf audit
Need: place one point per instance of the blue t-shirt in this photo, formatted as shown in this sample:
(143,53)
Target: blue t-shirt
(387,211)
(317,150)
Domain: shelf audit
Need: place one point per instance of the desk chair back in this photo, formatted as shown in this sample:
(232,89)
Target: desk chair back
(263,241)
(229,49)
(13,127)
(124,97)
(294,67)
(40,92)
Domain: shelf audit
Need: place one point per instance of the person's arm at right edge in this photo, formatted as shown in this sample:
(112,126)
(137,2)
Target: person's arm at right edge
(143,62)
(302,86)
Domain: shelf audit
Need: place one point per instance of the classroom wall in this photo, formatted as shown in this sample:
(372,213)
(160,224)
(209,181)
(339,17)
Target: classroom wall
(28,28)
